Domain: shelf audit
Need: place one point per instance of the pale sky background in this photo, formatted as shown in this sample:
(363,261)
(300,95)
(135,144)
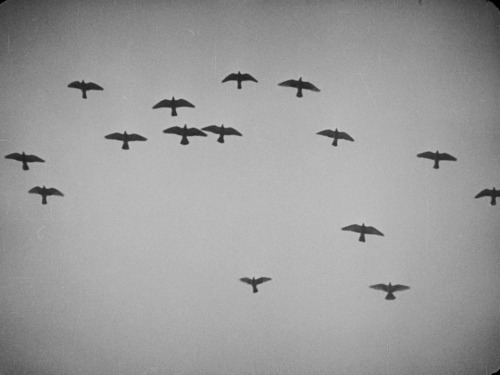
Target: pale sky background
(135,270)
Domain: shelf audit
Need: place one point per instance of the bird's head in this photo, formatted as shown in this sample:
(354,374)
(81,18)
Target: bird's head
(125,132)
(185,126)
(222,126)
(43,187)
(173,98)
(300,79)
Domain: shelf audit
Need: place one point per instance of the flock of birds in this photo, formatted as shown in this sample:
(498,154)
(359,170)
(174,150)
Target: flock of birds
(222,131)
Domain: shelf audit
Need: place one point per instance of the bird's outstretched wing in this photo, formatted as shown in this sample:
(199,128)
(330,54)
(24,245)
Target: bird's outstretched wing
(290,83)
(165,103)
(231,131)
(230,77)
(353,228)
(14,156)
(342,135)
(383,287)
(174,130)
(248,77)
(427,155)
(136,137)
(183,103)
(53,191)
(485,193)
(399,288)
(309,86)
(261,280)
(193,131)
(327,133)
(34,158)
(372,230)
(76,85)
(92,86)
(36,190)
(246,280)
(212,128)
(445,156)
(117,136)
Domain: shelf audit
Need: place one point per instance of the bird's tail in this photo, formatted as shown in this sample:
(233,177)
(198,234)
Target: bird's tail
(25,166)
(335,142)
(84,94)
(239,85)
(174,111)
(299,93)
(221,138)
(390,296)
(362,238)
(254,288)
(184,140)
(125,146)
(436,164)
(493,201)
(44,199)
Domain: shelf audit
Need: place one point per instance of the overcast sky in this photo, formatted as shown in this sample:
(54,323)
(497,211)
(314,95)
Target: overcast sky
(135,270)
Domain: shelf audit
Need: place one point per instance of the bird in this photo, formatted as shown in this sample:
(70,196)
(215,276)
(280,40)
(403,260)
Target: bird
(45,192)
(174,104)
(363,230)
(390,289)
(299,85)
(125,138)
(436,156)
(222,131)
(85,86)
(25,159)
(493,193)
(336,135)
(254,282)
(239,78)
(184,132)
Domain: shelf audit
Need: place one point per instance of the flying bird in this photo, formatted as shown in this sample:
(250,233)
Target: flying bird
(336,135)
(493,193)
(25,159)
(85,86)
(239,78)
(44,192)
(363,230)
(184,132)
(436,156)
(299,85)
(390,289)
(174,104)
(125,138)
(222,131)
(254,282)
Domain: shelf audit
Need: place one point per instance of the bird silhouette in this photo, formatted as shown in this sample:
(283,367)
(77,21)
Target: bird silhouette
(174,104)
(45,192)
(363,230)
(125,138)
(222,131)
(436,156)
(493,193)
(25,159)
(299,85)
(254,282)
(184,132)
(336,135)
(390,289)
(85,86)
(239,78)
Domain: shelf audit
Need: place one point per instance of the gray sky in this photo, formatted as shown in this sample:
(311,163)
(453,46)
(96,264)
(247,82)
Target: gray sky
(135,270)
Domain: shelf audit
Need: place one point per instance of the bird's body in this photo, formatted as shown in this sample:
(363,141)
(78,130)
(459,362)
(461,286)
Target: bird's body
(493,193)
(238,77)
(184,133)
(173,104)
(390,289)
(45,192)
(363,230)
(125,138)
(85,86)
(299,85)
(25,159)
(254,282)
(222,131)
(336,135)
(437,157)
